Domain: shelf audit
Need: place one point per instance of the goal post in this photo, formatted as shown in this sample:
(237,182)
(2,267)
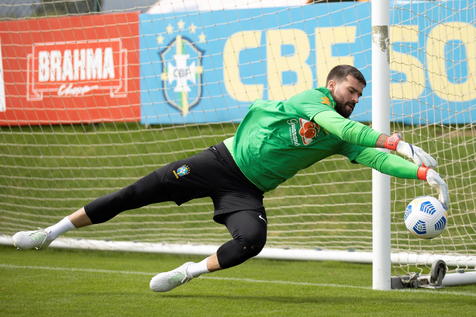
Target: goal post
(381,237)
(92,102)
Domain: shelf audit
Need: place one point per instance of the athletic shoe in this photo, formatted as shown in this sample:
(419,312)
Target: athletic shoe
(166,281)
(36,239)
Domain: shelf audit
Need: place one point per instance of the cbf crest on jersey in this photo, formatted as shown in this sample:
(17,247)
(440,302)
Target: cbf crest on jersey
(182,69)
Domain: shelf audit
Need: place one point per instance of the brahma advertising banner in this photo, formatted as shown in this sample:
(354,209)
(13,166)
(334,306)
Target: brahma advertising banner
(71,70)
(209,66)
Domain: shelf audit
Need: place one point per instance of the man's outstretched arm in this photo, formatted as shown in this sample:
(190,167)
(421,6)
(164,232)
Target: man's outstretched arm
(396,166)
(357,133)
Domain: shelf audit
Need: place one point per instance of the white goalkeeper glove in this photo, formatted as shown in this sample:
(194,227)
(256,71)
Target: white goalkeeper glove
(413,152)
(435,181)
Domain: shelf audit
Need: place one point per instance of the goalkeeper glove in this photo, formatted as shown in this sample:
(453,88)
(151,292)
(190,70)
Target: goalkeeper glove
(416,154)
(435,181)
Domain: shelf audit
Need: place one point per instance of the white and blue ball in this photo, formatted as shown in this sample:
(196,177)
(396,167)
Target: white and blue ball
(425,217)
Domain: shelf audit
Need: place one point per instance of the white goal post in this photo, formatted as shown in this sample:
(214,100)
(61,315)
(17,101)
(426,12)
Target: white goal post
(381,236)
(92,102)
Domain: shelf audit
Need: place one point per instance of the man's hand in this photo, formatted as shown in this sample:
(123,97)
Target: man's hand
(416,154)
(435,181)
(422,159)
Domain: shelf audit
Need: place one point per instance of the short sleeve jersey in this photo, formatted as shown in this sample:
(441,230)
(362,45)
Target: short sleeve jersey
(276,139)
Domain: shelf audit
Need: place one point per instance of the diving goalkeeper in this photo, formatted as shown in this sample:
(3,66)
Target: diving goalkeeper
(274,141)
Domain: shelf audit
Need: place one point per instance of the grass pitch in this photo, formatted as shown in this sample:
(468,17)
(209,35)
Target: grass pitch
(95,283)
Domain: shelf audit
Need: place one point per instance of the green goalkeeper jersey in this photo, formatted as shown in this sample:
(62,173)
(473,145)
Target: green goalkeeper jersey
(276,139)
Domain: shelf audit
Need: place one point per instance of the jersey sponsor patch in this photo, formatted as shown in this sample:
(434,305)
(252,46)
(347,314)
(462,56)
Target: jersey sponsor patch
(181,171)
(308,130)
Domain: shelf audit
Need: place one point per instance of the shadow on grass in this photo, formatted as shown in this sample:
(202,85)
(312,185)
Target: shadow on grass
(400,298)
(283,299)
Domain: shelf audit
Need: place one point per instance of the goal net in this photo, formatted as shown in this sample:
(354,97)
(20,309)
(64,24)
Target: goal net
(89,103)
(433,104)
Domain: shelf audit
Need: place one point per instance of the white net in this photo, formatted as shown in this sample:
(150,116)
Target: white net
(92,105)
(434,92)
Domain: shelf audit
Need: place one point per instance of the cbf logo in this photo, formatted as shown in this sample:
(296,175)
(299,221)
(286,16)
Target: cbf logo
(181,171)
(182,69)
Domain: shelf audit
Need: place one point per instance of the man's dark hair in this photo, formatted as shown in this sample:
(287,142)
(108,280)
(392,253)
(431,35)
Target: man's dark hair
(340,72)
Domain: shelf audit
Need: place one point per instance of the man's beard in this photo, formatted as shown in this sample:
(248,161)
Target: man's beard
(341,109)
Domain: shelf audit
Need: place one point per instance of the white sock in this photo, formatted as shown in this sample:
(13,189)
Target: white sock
(64,225)
(195,269)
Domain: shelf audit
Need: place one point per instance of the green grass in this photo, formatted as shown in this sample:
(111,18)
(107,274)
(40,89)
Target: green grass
(56,282)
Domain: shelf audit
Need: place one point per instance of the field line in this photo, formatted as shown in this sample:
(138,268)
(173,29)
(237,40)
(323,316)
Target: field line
(247,280)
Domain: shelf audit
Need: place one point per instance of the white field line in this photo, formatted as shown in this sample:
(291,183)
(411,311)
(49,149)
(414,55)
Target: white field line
(246,280)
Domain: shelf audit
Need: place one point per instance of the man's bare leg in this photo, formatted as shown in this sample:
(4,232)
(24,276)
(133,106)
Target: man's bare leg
(79,218)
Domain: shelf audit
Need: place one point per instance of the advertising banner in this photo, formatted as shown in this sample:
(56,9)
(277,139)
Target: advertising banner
(80,69)
(210,67)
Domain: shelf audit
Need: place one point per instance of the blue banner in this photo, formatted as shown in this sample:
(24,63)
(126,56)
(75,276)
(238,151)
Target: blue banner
(210,66)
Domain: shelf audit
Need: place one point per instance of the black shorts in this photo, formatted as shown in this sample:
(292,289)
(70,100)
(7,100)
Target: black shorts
(211,173)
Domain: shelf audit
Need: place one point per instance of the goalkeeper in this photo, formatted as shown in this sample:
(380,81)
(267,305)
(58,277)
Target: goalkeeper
(274,141)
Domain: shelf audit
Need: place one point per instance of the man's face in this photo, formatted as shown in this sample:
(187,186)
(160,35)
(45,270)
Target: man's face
(346,94)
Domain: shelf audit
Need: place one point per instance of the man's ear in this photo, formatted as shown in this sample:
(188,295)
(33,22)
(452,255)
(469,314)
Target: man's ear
(331,84)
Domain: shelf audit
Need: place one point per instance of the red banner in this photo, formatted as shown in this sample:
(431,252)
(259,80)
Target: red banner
(81,69)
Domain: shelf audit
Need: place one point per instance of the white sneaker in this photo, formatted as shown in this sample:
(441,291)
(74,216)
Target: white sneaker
(36,239)
(166,281)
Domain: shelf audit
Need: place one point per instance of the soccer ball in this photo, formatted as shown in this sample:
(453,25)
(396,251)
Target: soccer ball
(425,217)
